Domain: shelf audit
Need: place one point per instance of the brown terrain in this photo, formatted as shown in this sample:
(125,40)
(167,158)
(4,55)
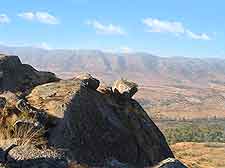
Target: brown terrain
(184,102)
(201,155)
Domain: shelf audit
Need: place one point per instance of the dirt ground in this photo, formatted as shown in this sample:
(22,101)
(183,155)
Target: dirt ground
(200,155)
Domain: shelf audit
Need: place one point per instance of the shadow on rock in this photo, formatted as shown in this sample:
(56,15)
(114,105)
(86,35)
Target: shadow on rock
(96,127)
(37,163)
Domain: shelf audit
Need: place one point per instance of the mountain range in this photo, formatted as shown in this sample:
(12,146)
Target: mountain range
(170,87)
(173,69)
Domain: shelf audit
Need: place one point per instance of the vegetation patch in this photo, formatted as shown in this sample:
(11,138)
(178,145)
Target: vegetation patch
(195,132)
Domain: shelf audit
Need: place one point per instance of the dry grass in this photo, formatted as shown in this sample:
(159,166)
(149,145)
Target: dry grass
(23,135)
(30,135)
(4,133)
(200,155)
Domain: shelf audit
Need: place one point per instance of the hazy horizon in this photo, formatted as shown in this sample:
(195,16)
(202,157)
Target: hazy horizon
(109,52)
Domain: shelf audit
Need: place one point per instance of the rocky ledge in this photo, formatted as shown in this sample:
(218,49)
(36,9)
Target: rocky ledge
(15,76)
(75,123)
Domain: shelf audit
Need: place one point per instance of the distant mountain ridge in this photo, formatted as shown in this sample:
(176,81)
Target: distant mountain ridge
(169,87)
(138,65)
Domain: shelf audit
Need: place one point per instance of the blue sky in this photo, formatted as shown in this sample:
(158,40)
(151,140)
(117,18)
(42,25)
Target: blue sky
(162,27)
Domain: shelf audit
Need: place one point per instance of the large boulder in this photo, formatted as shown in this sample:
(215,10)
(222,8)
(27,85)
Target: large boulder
(15,76)
(105,89)
(88,80)
(94,126)
(124,88)
(53,98)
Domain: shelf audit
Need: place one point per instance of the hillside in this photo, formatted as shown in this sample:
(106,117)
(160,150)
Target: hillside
(174,87)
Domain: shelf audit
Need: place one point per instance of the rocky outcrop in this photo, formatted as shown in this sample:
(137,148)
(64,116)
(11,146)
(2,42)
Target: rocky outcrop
(89,81)
(15,76)
(95,126)
(32,157)
(54,98)
(124,88)
(105,89)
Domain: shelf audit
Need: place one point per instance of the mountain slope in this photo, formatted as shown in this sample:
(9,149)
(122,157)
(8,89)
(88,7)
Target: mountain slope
(173,69)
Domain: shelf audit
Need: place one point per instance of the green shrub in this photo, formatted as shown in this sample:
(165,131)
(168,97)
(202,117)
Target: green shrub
(195,133)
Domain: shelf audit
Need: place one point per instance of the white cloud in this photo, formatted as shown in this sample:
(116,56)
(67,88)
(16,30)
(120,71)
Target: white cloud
(45,17)
(27,15)
(156,25)
(106,29)
(195,36)
(4,19)
(42,17)
(177,28)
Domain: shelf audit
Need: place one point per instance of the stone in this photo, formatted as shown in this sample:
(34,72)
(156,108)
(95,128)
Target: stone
(112,163)
(170,163)
(10,99)
(124,88)
(53,97)
(22,106)
(2,156)
(94,126)
(104,89)
(32,157)
(89,81)
(15,76)
(2,102)
(98,127)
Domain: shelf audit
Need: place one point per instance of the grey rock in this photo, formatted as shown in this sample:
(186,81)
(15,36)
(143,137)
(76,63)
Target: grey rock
(170,163)
(113,163)
(89,81)
(16,76)
(32,157)
(94,126)
(2,102)
(23,106)
(2,156)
